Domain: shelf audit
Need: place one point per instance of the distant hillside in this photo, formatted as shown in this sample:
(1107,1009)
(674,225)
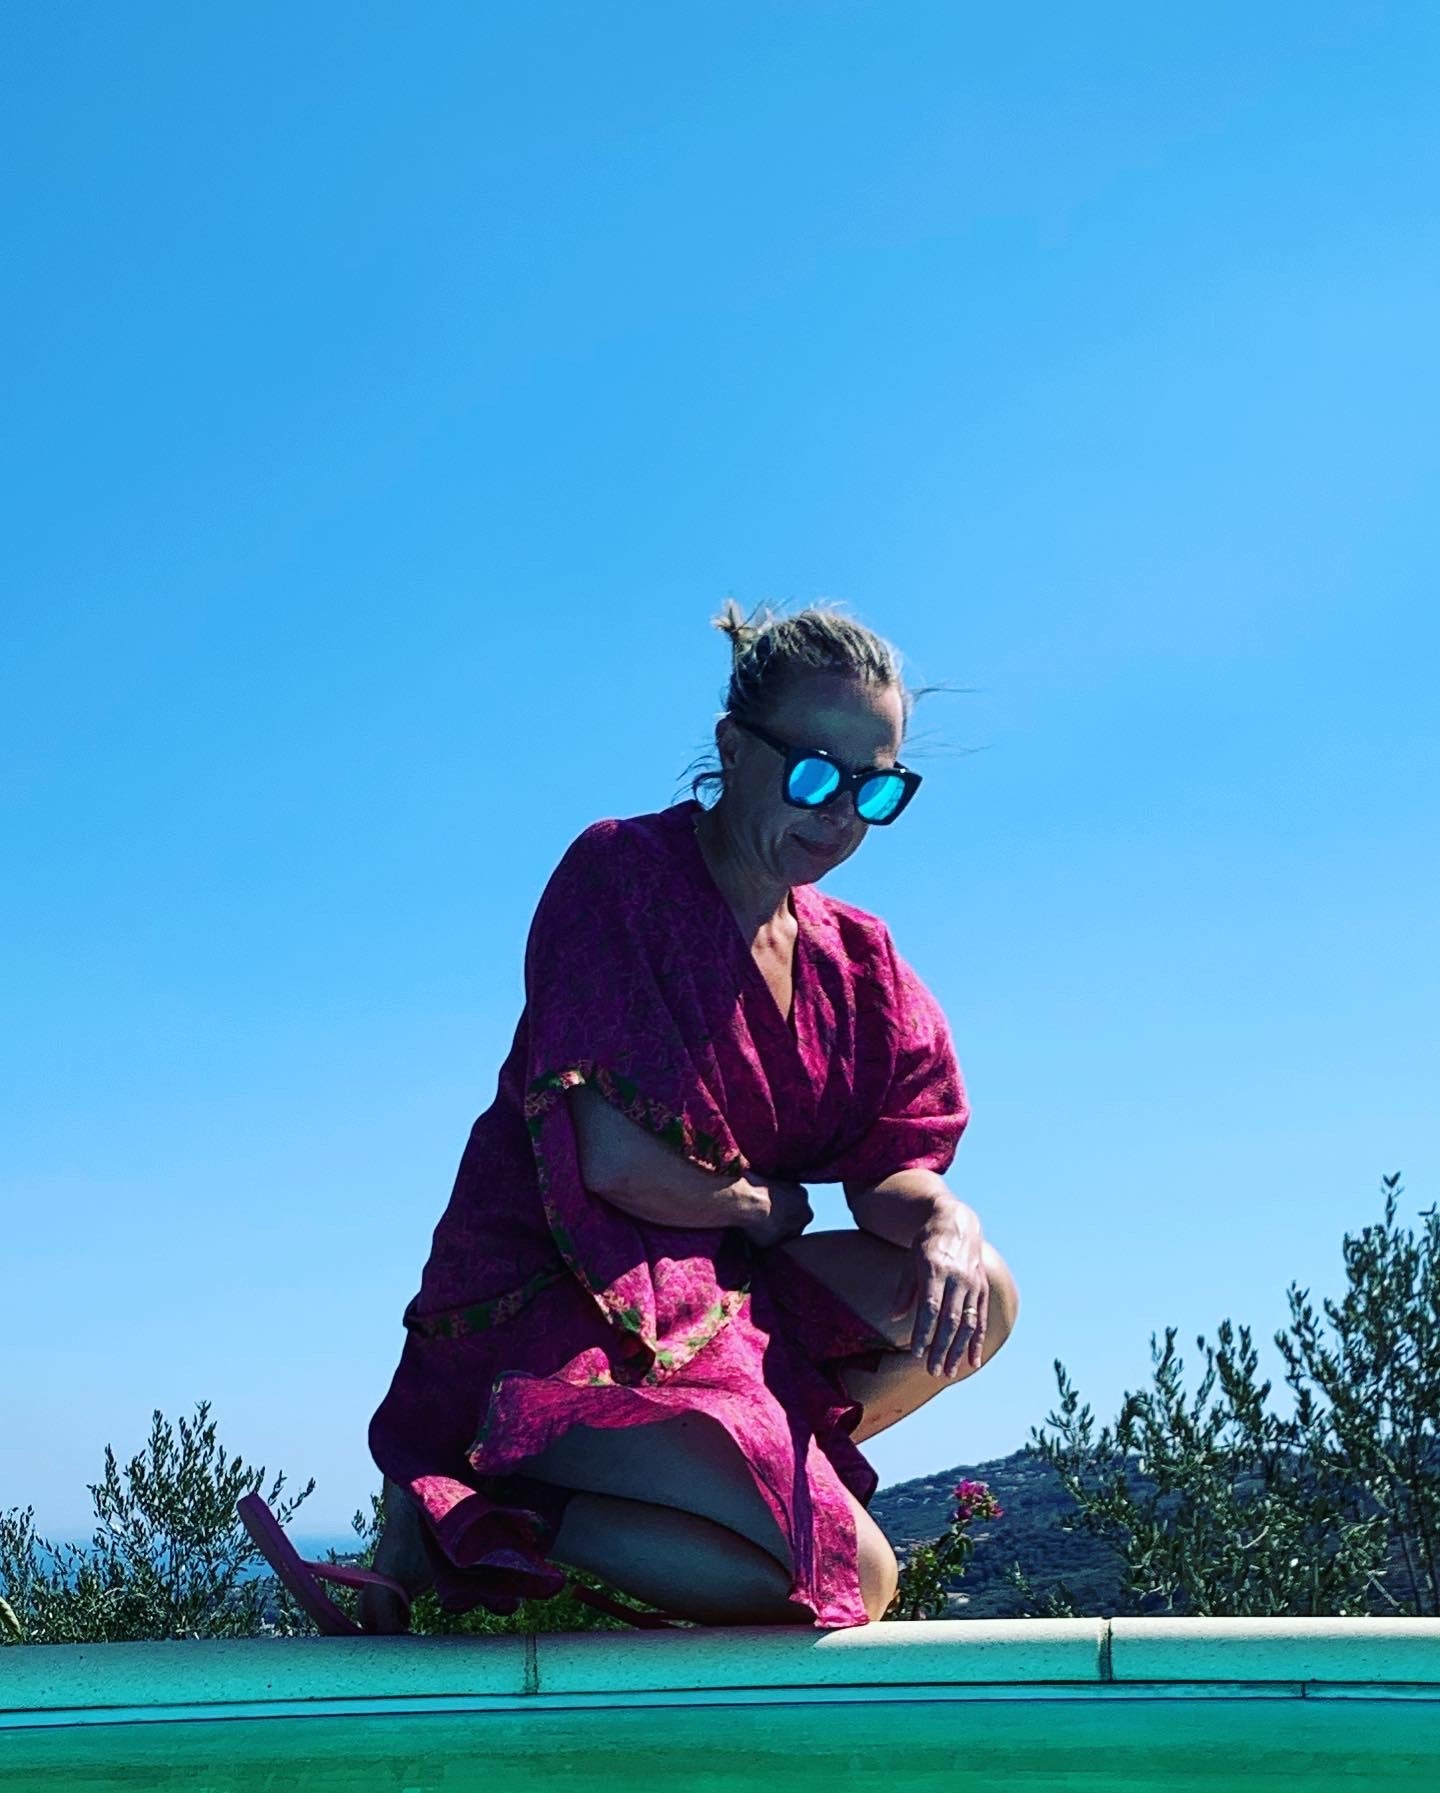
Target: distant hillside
(1040,1529)
(1033,1530)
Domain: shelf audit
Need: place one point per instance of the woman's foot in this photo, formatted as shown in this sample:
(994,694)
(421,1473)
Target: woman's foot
(400,1554)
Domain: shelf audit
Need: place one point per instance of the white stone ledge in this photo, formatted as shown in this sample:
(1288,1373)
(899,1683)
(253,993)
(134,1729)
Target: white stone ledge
(958,1658)
(1380,1650)
(949,1652)
(270,1669)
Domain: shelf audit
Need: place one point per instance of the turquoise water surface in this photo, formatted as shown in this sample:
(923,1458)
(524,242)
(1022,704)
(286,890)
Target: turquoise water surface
(1113,1742)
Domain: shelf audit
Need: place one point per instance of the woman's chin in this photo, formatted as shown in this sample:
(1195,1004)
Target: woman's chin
(809,868)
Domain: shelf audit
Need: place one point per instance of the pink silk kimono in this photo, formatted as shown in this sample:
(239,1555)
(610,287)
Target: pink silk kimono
(542,1306)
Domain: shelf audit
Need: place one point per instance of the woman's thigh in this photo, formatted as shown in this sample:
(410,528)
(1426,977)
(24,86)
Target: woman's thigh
(862,1270)
(689,1461)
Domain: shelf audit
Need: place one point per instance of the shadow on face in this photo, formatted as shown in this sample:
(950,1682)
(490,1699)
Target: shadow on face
(860,724)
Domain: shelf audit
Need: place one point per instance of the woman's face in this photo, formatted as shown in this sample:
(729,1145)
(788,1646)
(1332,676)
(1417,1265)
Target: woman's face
(859,724)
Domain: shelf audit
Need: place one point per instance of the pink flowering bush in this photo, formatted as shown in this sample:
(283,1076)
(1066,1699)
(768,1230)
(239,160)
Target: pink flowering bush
(925,1575)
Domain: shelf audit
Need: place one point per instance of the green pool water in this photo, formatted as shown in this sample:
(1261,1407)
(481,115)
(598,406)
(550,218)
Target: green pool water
(1035,1744)
(1030,1705)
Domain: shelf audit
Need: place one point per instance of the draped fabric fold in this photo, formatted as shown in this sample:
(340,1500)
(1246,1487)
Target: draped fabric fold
(924,1110)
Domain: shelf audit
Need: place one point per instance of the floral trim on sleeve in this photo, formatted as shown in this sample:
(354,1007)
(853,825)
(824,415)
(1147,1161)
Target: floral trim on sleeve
(635,1343)
(651,1361)
(624,1093)
(479,1316)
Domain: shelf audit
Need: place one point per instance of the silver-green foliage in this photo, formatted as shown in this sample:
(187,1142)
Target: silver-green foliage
(1236,1511)
(165,1558)
(169,1551)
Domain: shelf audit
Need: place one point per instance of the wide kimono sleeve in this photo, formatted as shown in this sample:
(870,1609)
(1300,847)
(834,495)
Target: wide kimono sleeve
(925,1108)
(605,1007)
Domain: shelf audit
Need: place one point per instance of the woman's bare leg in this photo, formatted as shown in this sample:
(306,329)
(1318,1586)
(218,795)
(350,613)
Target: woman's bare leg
(400,1554)
(684,1468)
(677,1561)
(688,1461)
(862,1270)
(684,1561)
(689,1565)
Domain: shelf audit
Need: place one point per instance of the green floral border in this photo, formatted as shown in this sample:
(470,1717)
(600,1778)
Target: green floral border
(701,1147)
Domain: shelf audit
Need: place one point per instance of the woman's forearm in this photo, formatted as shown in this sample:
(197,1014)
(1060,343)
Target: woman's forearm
(633,1170)
(899,1205)
(679,1193)
(626,1165)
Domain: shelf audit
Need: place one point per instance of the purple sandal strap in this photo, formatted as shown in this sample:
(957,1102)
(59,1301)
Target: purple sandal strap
(351,1577)
(647,1621)
(294,1572)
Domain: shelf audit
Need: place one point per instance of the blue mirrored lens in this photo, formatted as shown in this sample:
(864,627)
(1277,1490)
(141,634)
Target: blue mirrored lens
(879,797)
(812,781)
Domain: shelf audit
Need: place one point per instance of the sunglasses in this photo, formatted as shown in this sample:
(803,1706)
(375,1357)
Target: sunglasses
(814,778)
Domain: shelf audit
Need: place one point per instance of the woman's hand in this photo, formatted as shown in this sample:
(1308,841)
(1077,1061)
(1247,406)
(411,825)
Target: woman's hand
(786,1214)
(944,1277)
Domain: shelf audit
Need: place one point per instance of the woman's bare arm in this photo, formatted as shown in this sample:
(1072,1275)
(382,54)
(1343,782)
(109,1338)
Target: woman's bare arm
(640,1174)
(898,1206)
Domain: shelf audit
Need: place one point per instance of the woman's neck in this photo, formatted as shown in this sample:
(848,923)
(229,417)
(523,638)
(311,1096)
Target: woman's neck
(757,900)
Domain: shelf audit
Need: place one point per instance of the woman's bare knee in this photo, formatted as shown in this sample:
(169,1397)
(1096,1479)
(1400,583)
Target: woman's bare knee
(878,1569)
(679,1561)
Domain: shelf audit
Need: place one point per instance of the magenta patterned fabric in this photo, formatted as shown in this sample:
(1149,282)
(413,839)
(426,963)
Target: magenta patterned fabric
(542,1306)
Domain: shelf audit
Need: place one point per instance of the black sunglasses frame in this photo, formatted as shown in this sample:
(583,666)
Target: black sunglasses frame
(849,781)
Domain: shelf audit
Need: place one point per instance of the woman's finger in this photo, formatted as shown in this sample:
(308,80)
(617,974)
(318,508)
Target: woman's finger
(950,1324)
(978,1341)
(927,1310)
(973,1335)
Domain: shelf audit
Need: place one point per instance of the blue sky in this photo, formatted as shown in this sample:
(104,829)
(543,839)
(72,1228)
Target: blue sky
(394,397)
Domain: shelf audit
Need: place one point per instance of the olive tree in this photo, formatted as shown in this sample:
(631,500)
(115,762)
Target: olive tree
(166,1559)
(1226,1508)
